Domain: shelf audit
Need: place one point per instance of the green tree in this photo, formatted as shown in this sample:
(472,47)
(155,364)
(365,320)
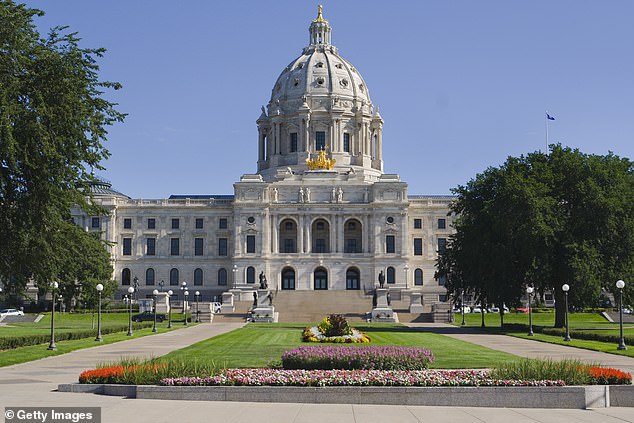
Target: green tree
(53,120)
(544,220)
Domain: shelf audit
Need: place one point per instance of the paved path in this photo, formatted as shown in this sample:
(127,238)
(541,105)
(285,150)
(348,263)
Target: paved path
(33,384)
(527,348)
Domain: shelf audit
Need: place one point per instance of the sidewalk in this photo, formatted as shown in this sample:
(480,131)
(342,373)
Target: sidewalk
(34,384)
(525,347)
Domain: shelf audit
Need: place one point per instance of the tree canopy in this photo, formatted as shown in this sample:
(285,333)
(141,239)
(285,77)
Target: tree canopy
(544,220)
(53,120)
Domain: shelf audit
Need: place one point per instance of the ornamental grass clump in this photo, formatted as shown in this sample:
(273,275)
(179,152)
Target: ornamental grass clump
(361,357)
(146,372)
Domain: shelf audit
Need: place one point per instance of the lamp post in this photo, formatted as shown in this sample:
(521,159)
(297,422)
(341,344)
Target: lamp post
(154,294)
(235,274)
(620,285)
(186,293)
(405,269)
(183,289)
(51,345)
(566,288)
(99,338)
(169,308)
(462,306)
(529,291)
(162,284)
(197,295)
(130,292)
(135,281)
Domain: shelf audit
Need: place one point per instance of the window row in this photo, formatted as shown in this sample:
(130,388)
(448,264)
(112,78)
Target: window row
(418,246)
(441,223)
(199,223)
(174,277)
(174,248)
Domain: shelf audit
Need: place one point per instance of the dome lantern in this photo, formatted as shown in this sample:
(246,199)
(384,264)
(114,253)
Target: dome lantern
(319,30)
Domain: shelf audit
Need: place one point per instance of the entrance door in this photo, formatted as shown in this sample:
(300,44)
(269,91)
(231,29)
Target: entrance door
(352,278)
(288,278)
(321,279)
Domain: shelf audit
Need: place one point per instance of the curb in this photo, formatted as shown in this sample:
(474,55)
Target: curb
(563,397)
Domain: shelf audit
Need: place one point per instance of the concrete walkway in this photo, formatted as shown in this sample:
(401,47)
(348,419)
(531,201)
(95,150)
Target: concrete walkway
(33,384)
(527,348)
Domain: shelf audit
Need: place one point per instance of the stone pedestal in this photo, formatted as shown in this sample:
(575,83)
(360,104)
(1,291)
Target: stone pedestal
(162,303)
(382,312)
(415,304)
(264,310)
(227,303)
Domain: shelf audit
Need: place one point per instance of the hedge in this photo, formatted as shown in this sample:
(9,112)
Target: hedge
(576,334)
(9,343)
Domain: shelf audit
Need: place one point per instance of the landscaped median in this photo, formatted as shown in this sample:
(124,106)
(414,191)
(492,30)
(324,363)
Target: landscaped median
(364,374)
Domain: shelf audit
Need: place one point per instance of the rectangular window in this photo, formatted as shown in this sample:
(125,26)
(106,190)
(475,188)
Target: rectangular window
(320,245)
(346,142)
(127,246)
(198,246)
(176,223)
(442,224)
(293,143)
(442,280)
(175,246)
(250,244)
(199,223)
(418,246)
(222,223)
(289,245)
(95,224)
(151,223)
(442,245)
(418,223)
(127,223)
(150,246)
(320,140)
(222,246)
(390,244)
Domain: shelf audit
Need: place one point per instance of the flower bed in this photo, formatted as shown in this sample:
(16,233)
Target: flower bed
(357,357)
(313,334)
(609,376)
(278,377)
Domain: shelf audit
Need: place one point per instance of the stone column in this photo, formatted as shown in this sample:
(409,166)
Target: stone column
(300,234)
(309,247)
(274,233)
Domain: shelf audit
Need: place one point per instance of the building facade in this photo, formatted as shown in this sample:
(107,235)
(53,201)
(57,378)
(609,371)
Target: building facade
(319,213)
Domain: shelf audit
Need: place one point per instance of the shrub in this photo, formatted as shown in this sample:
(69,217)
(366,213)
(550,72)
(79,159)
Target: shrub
(361,357)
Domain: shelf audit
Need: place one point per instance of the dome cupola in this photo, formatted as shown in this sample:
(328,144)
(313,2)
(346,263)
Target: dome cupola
(320,102)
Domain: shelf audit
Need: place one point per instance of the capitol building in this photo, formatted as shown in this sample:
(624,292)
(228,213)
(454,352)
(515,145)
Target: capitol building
(318,213)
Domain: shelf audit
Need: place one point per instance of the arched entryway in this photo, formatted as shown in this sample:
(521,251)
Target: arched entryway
(353,277)
(288,278)
(320,277)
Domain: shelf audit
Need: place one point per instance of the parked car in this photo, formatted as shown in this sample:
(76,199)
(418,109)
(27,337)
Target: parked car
(497,309)
(11,312)
(467,309)
(216,307)
(147,315)
(478,309)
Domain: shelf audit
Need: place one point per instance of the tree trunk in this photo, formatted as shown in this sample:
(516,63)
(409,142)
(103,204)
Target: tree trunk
(502,316)
(482,313)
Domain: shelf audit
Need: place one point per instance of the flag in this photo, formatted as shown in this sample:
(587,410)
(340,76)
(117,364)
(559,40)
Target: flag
(549,117)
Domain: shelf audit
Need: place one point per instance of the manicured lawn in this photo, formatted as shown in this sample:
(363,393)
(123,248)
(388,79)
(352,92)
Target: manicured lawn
(35,352)
(257,345)
(608,347)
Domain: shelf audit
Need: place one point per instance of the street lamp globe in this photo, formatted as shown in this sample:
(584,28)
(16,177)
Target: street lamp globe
(620,284)
(170,292)
(55,285)
(155,292)
(99,287)
(186,293)
(130,291)
(529,290)
(197,293)
(565,287)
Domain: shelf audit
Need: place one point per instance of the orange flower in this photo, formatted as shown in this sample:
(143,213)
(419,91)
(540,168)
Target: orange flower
(609,376)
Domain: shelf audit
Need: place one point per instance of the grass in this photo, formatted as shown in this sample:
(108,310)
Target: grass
(69,322)
(259,345)
(585,322)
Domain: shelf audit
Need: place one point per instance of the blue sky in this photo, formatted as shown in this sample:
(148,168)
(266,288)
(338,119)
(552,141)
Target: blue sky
(461,85)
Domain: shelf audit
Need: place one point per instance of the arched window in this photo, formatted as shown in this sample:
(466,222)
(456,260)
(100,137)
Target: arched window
(149,276)
(352,278)
(222,277)
(288,278)
(321,278)
(418,277)
(250,274)
(352,236)
(321,236)
(391,275)
(174,277)
(125,276)
(288,236)
(198,277)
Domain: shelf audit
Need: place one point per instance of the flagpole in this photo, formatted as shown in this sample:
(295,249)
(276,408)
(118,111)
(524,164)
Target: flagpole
(546,122)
